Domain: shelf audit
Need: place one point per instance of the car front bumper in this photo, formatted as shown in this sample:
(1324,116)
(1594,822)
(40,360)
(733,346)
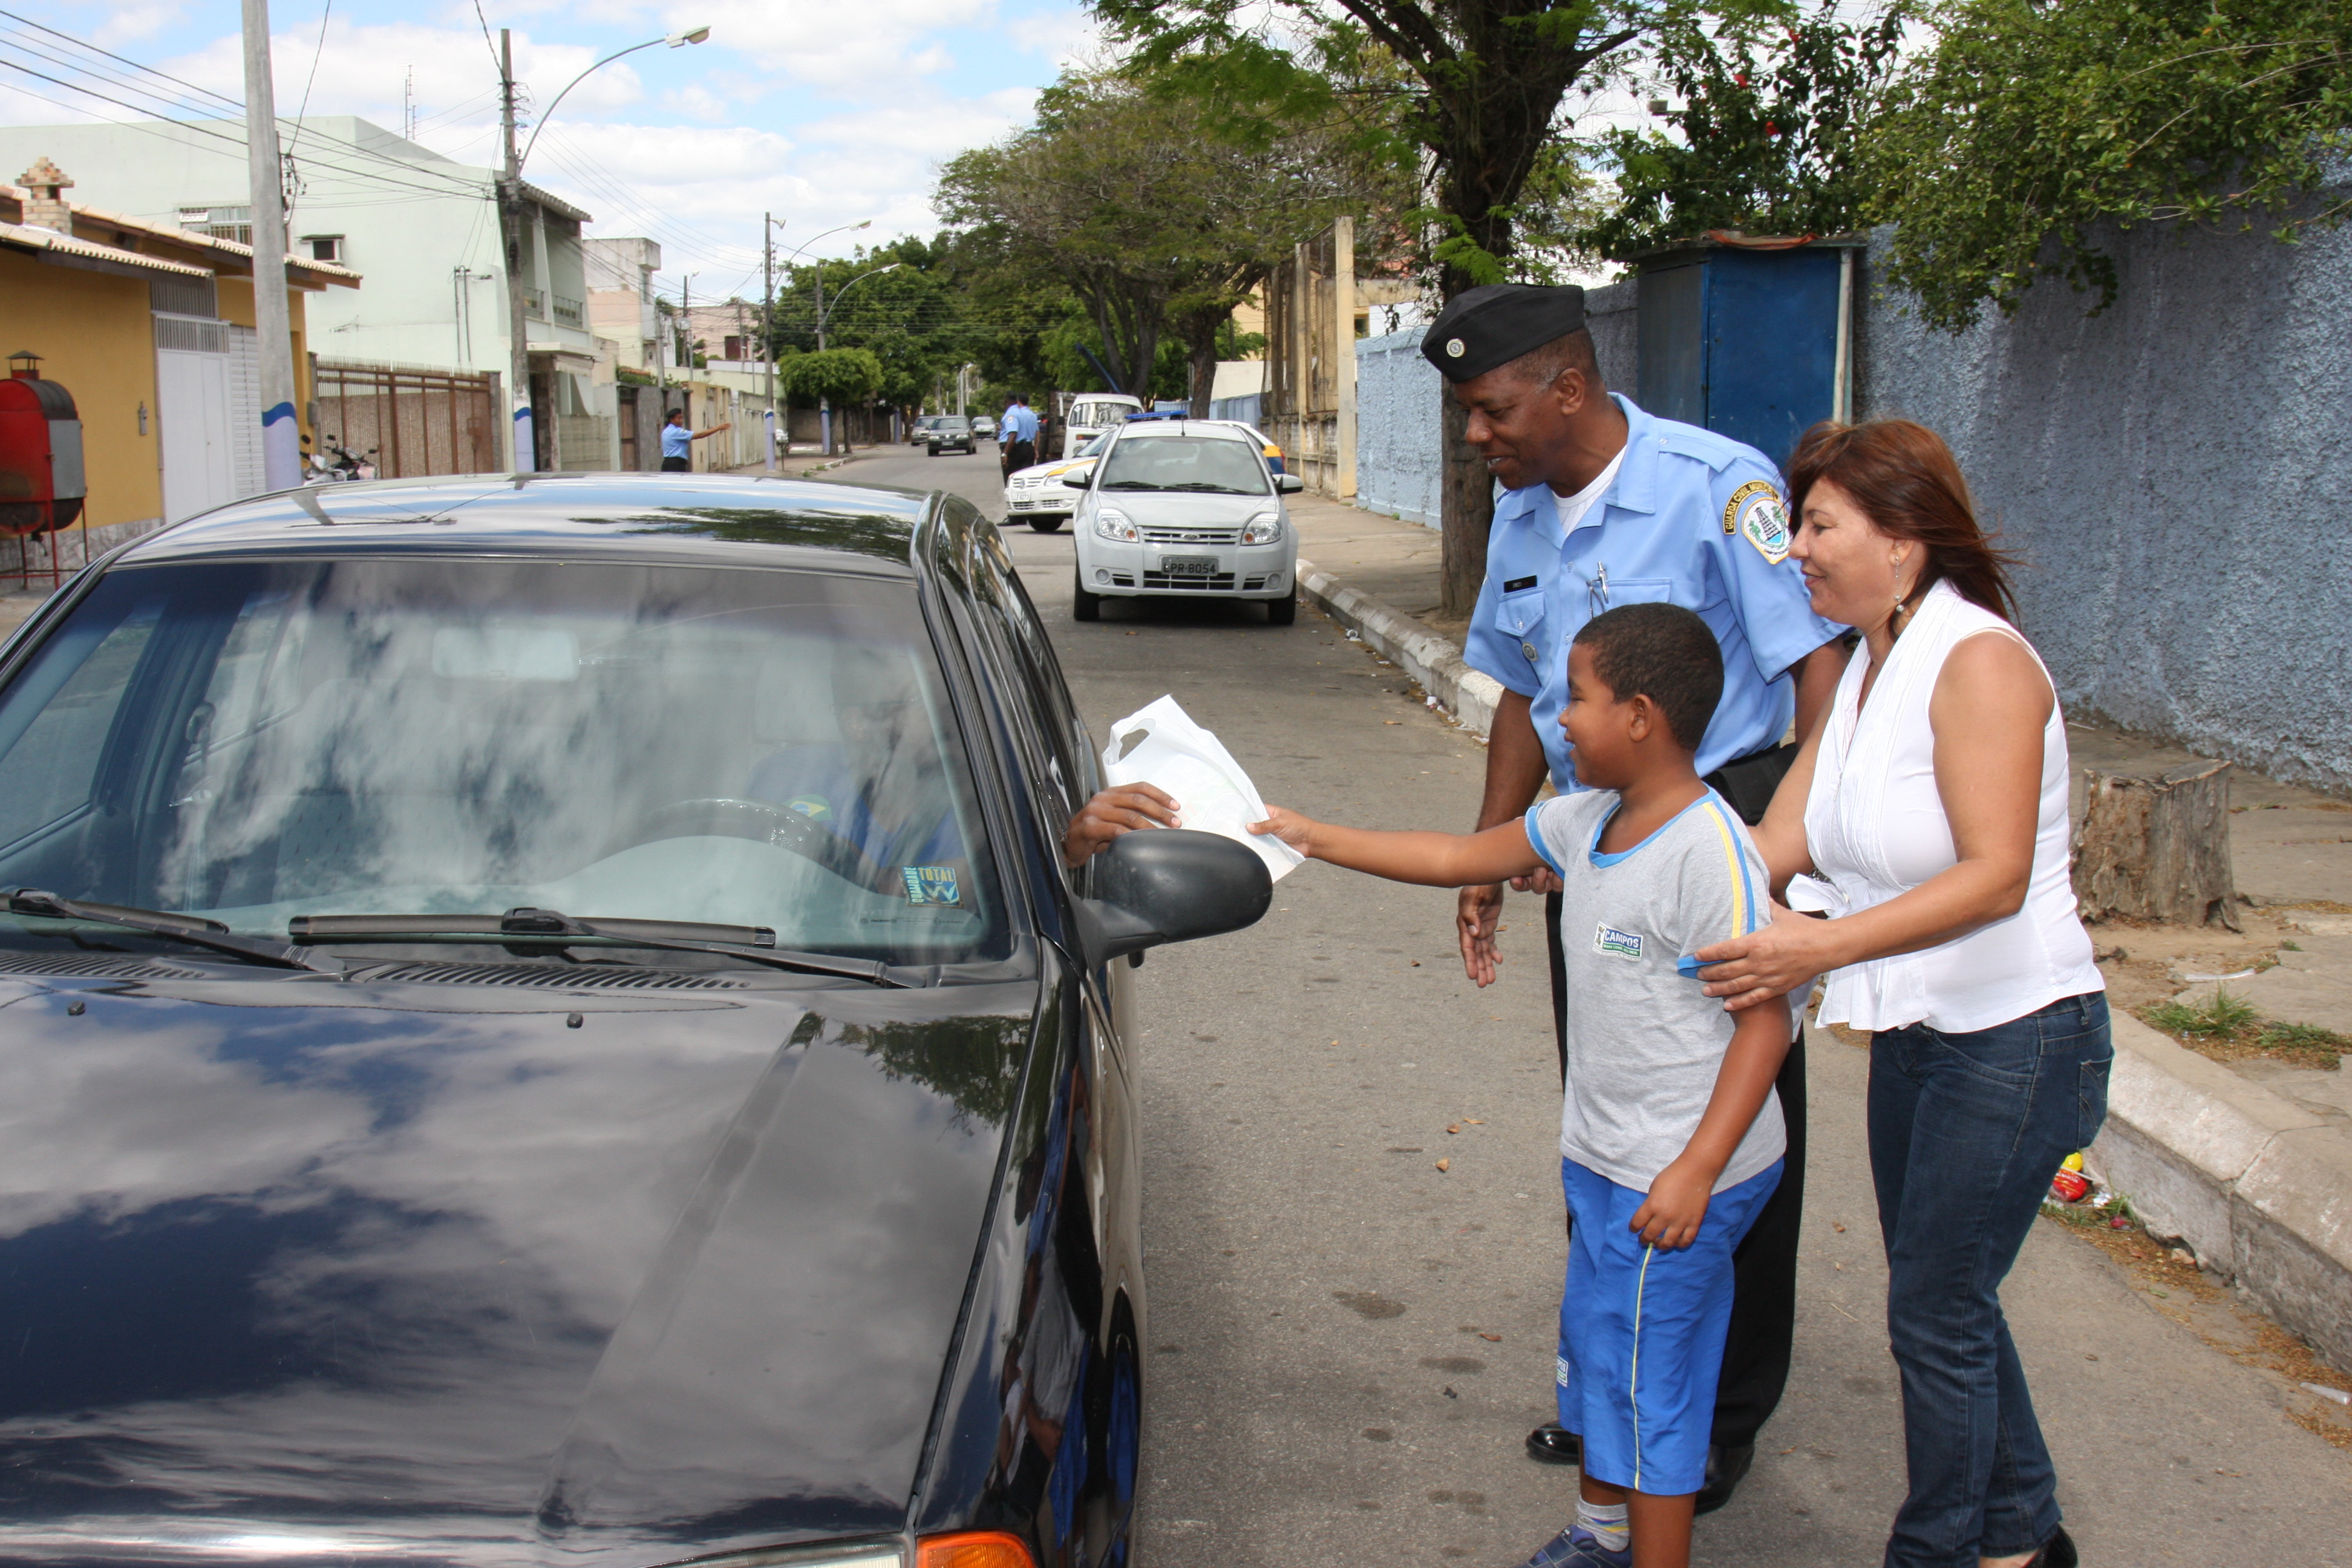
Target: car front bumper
(1116,569)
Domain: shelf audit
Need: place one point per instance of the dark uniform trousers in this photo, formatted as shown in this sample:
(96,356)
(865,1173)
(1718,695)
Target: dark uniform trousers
(1763,1270)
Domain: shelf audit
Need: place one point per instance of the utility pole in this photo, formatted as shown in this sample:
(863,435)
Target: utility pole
(281,433)
(824,403)
(510,215)
(768,322)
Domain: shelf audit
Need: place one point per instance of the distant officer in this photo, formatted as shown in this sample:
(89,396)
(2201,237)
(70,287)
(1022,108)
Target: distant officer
(1016,436)
(1606,505)
(677,439)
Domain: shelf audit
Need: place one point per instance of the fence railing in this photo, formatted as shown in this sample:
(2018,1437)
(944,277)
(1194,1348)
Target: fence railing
(418,421)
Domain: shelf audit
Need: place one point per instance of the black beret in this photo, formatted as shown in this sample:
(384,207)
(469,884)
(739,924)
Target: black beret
(1494,324)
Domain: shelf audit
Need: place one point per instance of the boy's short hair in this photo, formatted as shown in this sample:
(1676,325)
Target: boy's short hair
(1664,653)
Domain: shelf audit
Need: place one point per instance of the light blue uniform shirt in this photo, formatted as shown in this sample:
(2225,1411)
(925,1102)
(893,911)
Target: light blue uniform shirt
(1020,423)
(678,441)
(1693,519)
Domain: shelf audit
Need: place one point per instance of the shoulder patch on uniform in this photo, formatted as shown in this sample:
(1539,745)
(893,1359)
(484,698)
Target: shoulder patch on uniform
(1755,513)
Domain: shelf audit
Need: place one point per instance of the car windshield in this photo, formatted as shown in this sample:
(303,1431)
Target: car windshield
(1210,464)
(954,422)
(251,741)
(1093,448)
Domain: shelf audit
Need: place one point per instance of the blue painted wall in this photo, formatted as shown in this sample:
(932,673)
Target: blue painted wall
(2177,474)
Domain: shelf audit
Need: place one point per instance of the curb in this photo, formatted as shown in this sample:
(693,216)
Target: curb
(2259,1188)
(1434,661)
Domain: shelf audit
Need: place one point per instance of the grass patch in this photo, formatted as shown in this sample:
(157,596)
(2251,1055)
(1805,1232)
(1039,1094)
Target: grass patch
(2228,1028)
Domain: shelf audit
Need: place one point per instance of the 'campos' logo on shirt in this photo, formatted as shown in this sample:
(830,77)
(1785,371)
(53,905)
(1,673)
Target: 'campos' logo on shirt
(1607,939)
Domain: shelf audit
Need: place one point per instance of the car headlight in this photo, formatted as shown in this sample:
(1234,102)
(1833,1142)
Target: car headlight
(1263,529)
(1115,525)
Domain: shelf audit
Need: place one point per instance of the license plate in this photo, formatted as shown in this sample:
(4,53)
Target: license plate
(1189,565)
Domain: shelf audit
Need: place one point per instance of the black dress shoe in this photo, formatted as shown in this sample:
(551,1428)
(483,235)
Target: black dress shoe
(1726,1468)
(2058,1552)
(1555,1445)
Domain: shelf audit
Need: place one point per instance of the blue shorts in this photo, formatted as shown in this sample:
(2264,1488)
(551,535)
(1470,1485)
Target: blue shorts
(1640,1332)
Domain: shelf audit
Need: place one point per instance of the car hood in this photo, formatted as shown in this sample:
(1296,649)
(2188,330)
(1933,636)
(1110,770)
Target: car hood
(1182,509)
(301,1269)
(1058,468)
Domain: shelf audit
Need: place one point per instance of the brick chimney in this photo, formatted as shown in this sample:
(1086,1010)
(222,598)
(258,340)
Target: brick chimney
(44,205)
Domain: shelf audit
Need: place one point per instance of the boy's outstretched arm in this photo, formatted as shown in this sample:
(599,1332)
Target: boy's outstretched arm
(1431,859)
(1671,1215)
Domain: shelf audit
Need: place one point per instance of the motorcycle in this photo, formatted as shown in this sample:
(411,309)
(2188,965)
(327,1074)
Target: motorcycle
(343,469)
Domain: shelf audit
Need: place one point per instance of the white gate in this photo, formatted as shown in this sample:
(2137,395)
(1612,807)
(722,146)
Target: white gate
(207,410)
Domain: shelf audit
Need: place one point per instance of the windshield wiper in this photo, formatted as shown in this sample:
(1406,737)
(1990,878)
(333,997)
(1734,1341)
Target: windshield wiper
(194,929)
(1203,487)
(757,943)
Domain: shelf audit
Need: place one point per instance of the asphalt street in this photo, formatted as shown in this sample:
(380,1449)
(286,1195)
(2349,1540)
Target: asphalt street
(1346,1344)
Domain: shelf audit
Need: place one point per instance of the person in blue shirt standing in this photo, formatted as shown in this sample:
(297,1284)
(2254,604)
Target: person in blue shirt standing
(677,442)
(1605,505)
(1016,435)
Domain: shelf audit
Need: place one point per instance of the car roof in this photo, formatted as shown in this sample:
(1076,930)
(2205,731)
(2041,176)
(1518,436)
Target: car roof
(671,518)
(1206,429)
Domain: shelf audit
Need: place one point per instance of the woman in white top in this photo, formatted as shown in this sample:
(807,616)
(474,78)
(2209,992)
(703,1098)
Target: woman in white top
(1927,815)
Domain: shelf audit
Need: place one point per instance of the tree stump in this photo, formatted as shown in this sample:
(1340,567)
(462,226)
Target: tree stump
(2156,847)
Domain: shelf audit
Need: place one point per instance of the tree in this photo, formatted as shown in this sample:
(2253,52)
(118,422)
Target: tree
(1151,220)
(1769,137)
(847,377)
(2031,124)
(1478,84)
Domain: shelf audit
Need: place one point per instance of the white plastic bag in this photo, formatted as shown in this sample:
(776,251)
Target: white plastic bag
(1213,792)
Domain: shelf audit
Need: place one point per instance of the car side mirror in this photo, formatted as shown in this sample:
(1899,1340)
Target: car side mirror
(1289,484)
(1083,480)
(1161,885)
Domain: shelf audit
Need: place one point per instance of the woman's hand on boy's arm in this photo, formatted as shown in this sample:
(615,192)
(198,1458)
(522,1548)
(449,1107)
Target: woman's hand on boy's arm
(1772,960)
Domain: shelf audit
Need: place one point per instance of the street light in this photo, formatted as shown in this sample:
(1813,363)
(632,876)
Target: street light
(526,455)
(824,314)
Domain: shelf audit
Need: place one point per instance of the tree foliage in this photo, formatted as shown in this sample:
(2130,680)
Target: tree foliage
(2032,124)
(1150,218)
(845,376)
(1478,85)
(1768,138)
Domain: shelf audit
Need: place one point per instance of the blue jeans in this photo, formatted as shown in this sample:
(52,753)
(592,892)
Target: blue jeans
(1966,1130)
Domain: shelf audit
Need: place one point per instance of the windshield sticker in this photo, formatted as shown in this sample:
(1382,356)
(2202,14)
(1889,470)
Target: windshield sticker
(815,807)
(931,885)
(1607,939)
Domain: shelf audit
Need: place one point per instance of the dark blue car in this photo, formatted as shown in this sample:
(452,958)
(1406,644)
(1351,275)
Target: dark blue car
(541,1022)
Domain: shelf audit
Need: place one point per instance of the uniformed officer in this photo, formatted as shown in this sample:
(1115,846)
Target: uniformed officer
(1606,505)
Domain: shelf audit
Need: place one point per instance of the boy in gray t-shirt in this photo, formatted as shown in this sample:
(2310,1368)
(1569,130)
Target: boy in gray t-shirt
(1670,1136)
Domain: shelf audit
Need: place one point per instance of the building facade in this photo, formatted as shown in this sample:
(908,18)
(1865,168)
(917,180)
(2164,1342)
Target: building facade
(151,328)
(423,228)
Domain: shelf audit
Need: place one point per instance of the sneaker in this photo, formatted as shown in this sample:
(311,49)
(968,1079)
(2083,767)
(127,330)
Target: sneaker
(1574,1548)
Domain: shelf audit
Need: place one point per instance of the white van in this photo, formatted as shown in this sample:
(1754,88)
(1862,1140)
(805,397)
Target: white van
(1091,414)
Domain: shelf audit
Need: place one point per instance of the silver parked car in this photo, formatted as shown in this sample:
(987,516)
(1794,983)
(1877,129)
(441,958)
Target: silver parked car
(1185,507)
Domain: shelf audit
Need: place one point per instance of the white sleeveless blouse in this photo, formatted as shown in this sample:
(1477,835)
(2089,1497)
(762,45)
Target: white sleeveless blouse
(1876,829)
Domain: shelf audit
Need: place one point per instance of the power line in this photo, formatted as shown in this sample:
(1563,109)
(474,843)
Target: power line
(312,80)
(234,110)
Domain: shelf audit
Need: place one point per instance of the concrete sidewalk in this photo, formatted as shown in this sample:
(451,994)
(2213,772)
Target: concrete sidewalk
(2243,1158)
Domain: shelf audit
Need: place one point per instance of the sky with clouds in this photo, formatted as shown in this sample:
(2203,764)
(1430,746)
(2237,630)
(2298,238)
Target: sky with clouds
(822,114)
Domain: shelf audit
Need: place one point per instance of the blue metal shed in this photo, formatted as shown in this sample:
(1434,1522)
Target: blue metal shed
(1753,338)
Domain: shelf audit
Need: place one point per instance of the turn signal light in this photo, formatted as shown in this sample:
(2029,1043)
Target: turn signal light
(974,1549)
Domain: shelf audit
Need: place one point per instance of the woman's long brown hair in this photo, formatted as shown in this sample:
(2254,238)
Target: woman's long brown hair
(1906,481)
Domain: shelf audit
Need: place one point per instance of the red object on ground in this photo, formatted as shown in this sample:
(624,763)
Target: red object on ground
(2070,1186)
(41,483)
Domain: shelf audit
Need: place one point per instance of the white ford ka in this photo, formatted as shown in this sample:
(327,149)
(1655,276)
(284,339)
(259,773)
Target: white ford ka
(1185,509)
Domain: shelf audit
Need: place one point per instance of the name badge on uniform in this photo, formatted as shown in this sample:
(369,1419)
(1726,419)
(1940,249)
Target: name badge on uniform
(1756,514)
(1611,942)
(1513,584)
